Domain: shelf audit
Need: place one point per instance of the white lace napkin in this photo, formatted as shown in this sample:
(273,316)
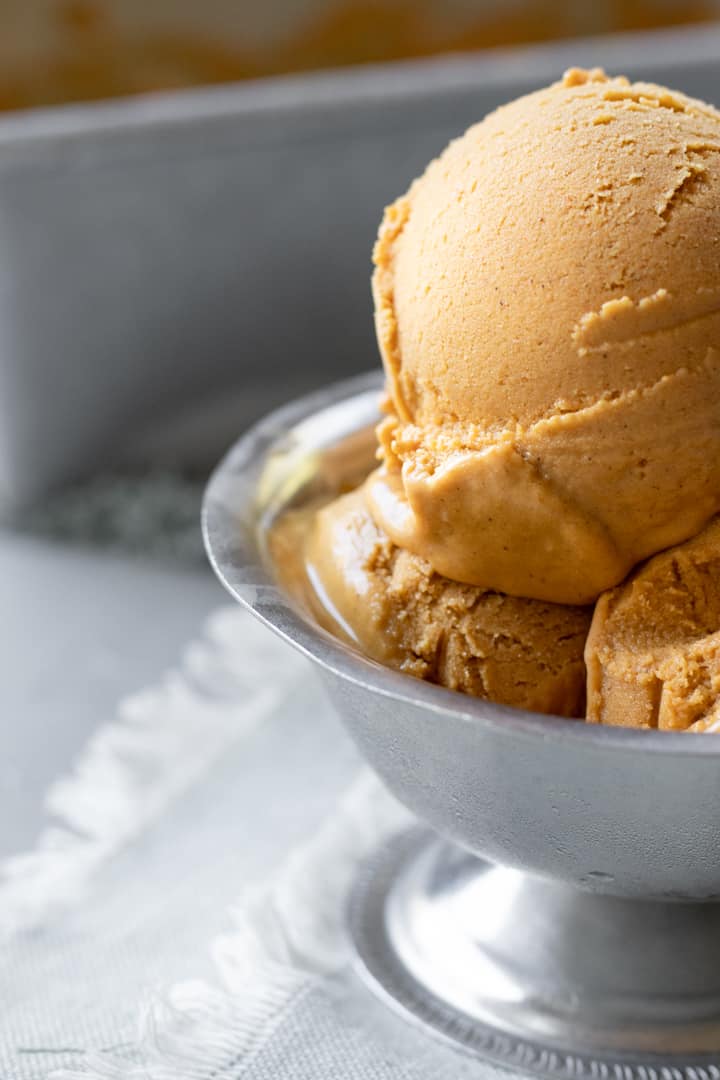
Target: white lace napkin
(182,914)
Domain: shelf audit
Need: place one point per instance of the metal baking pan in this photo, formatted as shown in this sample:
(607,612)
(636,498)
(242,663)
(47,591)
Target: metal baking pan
(159,255)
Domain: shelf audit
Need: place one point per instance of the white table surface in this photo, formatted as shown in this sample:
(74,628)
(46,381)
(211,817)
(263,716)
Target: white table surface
(79,629)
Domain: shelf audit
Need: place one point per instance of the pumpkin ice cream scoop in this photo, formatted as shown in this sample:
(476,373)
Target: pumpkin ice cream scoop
(547,304)
(653,651)
(399,611)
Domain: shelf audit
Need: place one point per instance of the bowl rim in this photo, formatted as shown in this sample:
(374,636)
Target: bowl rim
(237,561)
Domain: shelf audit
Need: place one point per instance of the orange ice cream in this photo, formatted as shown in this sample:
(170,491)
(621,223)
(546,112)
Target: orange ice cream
(653,652)
(548,310)
(547,300)
(399,611)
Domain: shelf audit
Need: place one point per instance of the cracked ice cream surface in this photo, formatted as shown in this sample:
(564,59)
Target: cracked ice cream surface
(399,611)
(653,652)
(548,310)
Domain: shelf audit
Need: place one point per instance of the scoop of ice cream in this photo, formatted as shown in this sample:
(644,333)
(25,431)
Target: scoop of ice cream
(548,311)
(399,611)
(653,652)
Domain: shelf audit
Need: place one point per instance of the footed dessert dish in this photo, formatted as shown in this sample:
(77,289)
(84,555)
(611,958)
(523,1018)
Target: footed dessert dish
(514,531)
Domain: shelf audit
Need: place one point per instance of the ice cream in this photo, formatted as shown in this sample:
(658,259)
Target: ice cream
(653,652)
(402,613)
(548,310)
(547,300)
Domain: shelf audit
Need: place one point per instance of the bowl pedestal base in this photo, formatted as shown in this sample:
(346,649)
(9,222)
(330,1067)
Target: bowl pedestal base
(551,979)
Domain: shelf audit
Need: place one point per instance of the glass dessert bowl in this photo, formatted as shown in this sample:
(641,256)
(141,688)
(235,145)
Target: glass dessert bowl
(559,910)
